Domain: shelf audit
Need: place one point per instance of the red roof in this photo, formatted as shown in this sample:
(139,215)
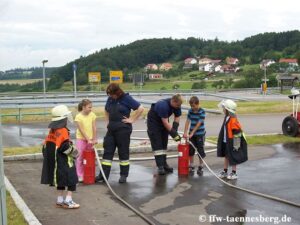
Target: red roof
(288,60)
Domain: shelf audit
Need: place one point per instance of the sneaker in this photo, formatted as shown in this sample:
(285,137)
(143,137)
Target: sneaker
(168,169)
(200,170)
(161,170)
(80,179)
(71,205)
(59,204)
(191,169)
(232,176)
(122,179)
(223,174)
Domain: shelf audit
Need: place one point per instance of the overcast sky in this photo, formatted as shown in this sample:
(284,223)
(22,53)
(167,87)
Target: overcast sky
(63,30)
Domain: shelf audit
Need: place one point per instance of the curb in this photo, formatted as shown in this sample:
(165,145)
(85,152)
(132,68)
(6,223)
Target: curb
(20,203)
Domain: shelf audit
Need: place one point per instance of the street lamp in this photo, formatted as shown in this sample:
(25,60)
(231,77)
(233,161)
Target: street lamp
(44,77)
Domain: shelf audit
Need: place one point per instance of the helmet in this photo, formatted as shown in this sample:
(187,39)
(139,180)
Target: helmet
(294,93)
(61,112)
(229,105)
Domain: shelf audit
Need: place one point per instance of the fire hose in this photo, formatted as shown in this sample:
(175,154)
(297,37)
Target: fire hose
(244,189)
(140,214)
(146,219)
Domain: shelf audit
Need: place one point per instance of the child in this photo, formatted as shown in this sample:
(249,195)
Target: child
(58,165)
(85,133)
(196,134)
(231,142)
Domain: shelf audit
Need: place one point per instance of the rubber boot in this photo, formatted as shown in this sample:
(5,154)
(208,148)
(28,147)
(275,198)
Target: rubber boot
(123,179)
(161,170)
(106,170)
(167,168)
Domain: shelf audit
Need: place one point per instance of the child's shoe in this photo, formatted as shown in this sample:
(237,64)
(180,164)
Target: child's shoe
(59,204)
(71,205)
(191,169)
(223,174)
(200,170)
(232,176)
(80,179)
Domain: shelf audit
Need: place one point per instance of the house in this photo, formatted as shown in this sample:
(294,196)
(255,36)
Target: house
(155,76)
(266,63)
(190,61)
(227,69)
(204,61)
(166,66)
(218,68)
(151,67)
(232,61)
(291,62)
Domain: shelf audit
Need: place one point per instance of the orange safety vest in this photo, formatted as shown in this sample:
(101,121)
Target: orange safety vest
(233,124)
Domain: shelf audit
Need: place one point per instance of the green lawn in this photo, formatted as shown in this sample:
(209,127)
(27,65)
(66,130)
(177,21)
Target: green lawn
(14,216)
(265,139)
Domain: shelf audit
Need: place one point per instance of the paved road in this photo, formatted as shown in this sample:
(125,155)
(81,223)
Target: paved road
(33,134)
(170,199)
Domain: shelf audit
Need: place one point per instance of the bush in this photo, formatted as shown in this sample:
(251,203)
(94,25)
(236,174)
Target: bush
(199,85)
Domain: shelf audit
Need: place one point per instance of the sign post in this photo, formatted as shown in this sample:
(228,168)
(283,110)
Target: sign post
(94,77)
(116,76)
(3,216)
(75,82)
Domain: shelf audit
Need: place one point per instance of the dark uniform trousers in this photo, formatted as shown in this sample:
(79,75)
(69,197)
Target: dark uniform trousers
(158,136)
(117,137)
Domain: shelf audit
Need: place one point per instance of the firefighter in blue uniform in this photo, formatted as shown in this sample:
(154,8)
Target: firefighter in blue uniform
(117,112)
(159,128)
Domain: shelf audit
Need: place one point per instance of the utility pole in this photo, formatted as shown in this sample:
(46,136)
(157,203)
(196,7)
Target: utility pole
(74,80)
(3,215)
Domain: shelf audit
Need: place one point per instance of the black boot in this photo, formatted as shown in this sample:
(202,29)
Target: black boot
(161,170)
(106,170)
(167,168)
(122,179)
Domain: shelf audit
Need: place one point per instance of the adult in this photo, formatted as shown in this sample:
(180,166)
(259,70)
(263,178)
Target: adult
(117,113)
(159,128)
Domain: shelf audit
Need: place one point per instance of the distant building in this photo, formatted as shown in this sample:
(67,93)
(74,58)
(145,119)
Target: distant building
(204,61)
(291,62)
(227,69)
(166,66)
(151,67)
(155,76)
(232,61)
(190,61)
(266,63)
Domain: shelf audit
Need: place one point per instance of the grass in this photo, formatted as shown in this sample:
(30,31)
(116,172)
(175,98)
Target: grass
(14,216)
(253,107)
(265,139)
(21,82)
(22,150)
(99,111)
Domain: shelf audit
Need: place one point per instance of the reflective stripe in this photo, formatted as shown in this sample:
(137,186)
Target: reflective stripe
(124,163)
(160,152)
(70,161)
(55,169)
(106,162)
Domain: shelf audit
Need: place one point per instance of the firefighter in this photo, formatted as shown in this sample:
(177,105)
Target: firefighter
(117,112)
(58,151)
(159,128)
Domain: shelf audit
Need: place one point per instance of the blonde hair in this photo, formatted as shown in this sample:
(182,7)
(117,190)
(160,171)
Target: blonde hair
(177,98)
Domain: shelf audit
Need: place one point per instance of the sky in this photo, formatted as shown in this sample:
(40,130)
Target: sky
(63,30)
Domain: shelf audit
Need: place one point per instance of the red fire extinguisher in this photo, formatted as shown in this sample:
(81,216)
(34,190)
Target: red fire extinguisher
(89,165)
(183,159)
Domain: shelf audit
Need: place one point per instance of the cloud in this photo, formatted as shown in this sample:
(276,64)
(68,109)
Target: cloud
(74,27)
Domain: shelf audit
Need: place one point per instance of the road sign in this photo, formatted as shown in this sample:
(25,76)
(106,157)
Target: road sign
(74,66)
(94,77)
(116,76)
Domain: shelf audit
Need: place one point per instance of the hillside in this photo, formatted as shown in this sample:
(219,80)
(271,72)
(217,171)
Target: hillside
(134,56)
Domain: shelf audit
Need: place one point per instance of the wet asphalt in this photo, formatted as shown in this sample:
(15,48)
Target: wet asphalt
(172,199)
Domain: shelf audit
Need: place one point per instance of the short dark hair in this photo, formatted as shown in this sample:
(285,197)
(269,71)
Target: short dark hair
(114,89)
(194,100)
